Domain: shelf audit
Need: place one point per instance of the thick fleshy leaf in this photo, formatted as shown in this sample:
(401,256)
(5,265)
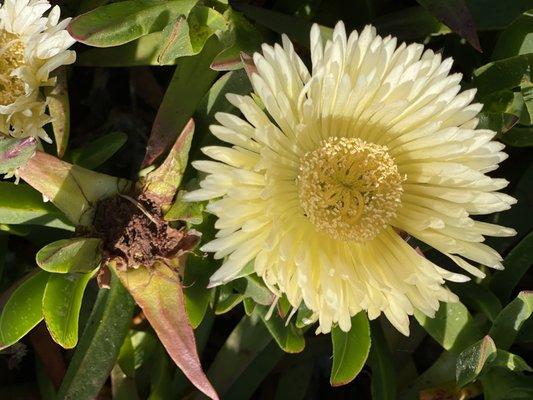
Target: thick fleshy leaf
(59,108)
(350,350)
(21,204)
(508,323)
(289,338)
(502,74)
(518,137)
(142,51)
(99,344)
(453,327)
(510,361)
(74,190)
(22,310)
(516,263)
(516,39)
(187,36)
(382,365)
(61,306)
(122,22)
(99,151)
(472,360)
(157,291)
(502,384)
(191,80)
(243,346)
(70,255)
(15,152)
(241,36)
(163,182)
(478,297)
(456,15)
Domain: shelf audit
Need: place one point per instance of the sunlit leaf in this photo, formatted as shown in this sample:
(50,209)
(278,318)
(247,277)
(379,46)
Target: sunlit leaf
(350,350)
(23,310)
(453,327)
(122,22)
(509,321)
(70,255)
(15,152)
(59,108)
(472,360)
(61,306)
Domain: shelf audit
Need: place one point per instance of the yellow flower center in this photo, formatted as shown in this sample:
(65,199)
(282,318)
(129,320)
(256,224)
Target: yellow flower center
(11,57)
(349,189)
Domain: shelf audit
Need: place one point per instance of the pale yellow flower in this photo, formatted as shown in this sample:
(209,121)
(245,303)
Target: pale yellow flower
(32,46)
(318,186)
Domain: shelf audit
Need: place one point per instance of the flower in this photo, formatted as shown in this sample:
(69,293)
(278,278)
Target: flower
(331,167)
(31,47)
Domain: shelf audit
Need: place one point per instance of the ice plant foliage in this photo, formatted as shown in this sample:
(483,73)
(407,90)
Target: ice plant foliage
(31,46)
(318,186)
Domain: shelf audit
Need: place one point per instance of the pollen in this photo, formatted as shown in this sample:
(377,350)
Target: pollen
(11,58)
(349,189)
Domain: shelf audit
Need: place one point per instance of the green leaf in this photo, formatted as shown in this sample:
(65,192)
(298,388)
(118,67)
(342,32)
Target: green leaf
(495,14)
(181,210)
(70,255)
(289,338)
(256,289)
(516,39)
(73,189)
(477,297)
(500,75)
(382,365)
(516,264)
(99,344)
(187,36)
(22,310)
(518,137)
(156,291)
(59,108)
(142,51)
(508,323)
(227,300)
(241,36)
(123,387)
(122,22)
(456,15)
(99,151)
(350,350)
(502,384)
(15,152)
(164,181)
(126,357)
(510,361)
(453,327)
(61,306)
(191,80)
(21,204)
(242,347)
(471,361)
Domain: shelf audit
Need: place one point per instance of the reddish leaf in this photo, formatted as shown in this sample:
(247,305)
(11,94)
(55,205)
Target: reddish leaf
(159,293)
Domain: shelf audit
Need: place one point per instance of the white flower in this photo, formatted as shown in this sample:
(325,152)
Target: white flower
(31,47)
(317,188)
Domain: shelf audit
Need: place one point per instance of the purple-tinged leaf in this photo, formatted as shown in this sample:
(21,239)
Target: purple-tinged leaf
(456,15)
(15,152)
